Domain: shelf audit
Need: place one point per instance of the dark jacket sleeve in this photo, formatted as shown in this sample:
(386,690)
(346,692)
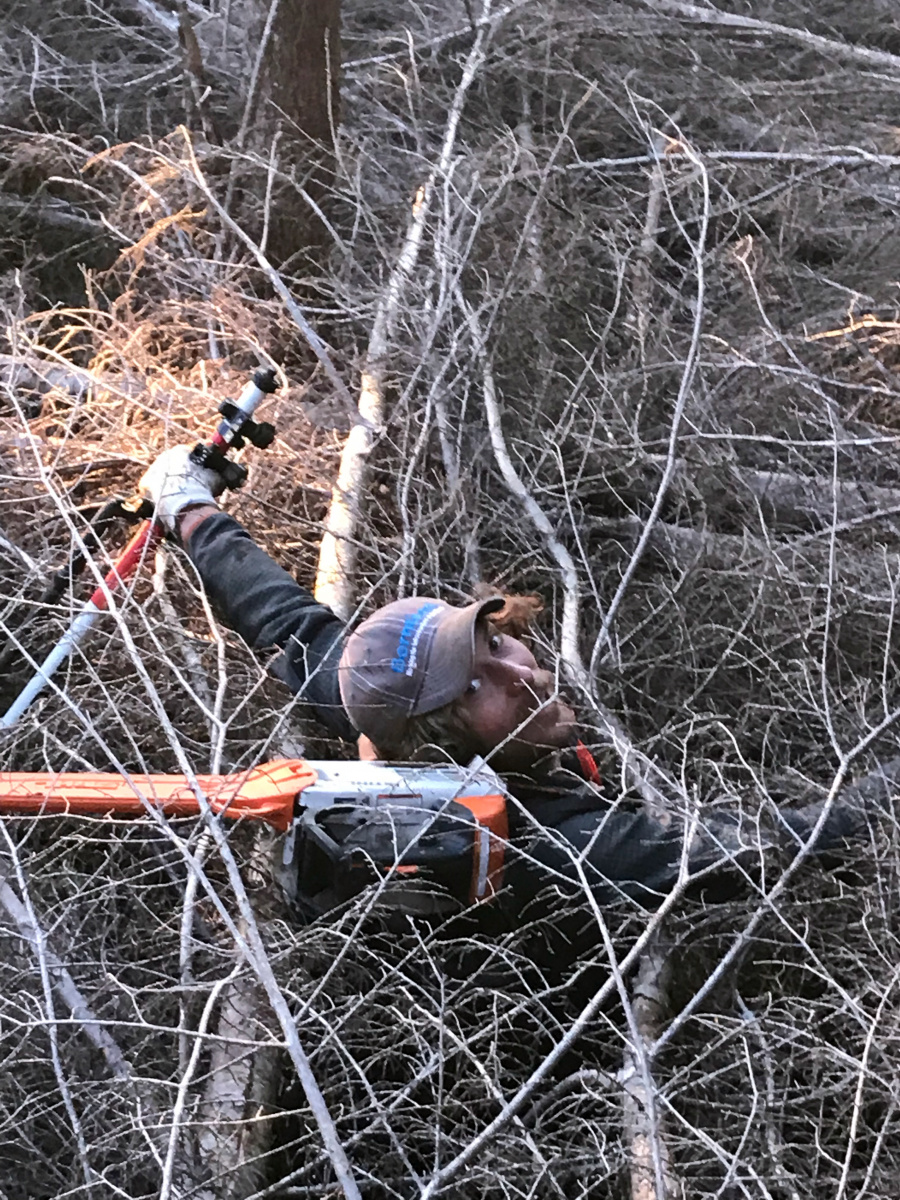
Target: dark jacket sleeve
(631,854)
(269,609)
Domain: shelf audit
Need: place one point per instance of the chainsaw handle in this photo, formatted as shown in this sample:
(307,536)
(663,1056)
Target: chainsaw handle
(265,793)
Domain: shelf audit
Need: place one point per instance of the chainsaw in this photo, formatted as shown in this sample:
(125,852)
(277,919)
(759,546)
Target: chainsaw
(345,825)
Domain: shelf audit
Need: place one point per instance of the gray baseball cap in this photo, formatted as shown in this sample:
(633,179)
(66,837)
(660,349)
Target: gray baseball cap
(408,658)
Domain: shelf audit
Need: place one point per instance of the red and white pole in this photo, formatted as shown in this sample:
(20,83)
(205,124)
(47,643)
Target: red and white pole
(142,544)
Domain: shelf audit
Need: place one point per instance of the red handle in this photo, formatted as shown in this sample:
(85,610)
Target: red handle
(265,793)
(144,543)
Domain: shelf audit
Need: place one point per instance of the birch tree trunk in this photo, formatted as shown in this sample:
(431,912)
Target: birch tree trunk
(240,1092)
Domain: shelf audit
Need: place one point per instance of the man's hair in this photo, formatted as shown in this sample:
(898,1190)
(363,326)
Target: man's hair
(444,733)
(434,736)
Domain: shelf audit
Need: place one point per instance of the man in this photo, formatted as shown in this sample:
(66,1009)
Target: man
(422,679)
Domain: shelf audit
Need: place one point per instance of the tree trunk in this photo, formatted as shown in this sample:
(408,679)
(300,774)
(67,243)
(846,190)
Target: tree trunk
(293,126)
(281,60)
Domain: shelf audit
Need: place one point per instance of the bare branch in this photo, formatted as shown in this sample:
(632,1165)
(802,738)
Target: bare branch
(704,15)
(335,577)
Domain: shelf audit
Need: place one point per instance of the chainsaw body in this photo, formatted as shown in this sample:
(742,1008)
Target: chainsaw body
(437,830)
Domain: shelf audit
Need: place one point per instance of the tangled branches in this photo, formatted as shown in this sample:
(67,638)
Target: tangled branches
(642,362)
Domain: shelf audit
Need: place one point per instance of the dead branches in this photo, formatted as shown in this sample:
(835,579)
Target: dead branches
(54,972)
(651,1167)
(698,254)
(700,481)
(829,47)
(335,579)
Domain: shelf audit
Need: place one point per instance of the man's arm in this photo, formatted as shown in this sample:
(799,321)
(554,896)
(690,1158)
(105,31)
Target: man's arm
(268,608)
(259,600)
(631,854)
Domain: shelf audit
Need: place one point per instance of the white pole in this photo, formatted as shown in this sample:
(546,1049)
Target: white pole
(60,652)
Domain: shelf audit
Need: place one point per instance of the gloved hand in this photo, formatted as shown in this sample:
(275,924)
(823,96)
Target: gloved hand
(173,482)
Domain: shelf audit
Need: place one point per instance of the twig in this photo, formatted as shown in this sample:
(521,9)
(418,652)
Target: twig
(870,790)
(641,773)
(335,576)
(246,937)
(36,938)
(160,17)
(714,16)
(652,1177)
(684,391)
(197,78)
(581,1078)
(478,1143)
(570,652)
(184,1166)
(773,1142)
(253,84)
(828,156)
(315,343)
(463,1049)
(441,40)
(640,275)
(28,929)
(58,214)
(186,945)
(28,561)
(192,661)
(649,1155)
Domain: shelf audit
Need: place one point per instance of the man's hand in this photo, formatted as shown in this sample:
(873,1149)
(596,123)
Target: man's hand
(174,483)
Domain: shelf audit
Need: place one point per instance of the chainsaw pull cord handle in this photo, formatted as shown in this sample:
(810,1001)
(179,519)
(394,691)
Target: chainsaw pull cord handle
(238,424)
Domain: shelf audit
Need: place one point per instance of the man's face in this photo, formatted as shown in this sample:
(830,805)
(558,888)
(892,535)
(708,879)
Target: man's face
(511,706)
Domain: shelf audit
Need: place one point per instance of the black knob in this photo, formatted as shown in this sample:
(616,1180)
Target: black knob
(261,434)
(266,379)
(234,475)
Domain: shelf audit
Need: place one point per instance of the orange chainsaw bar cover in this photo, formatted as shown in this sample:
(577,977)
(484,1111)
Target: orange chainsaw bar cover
(265,793)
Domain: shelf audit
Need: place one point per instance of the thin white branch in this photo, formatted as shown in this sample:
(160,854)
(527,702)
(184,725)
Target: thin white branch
(640,275)
(652,1176)
(707,15)
(247,938)
(28,929)
(29,562)
(570,653)
(37,939)
(640,772)
(254,74)
(828,156)
(315,343)
(335,576)
(769,902)
(155,14)
(684,391)
(575,1030)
